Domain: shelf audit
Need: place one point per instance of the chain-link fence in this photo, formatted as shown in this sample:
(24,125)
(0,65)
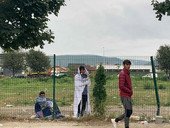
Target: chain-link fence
(18,95)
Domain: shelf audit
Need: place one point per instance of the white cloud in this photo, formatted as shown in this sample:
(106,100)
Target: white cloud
(122,27)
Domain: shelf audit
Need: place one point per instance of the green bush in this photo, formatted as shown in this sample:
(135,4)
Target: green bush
(64,102)
(110,77)
(43,79)
(137,78)
(162,78)
(161,87)
(64,80)
(148,86)
(99,92)
(167,104)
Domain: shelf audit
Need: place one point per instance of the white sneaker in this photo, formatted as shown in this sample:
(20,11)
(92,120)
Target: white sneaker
(114,123)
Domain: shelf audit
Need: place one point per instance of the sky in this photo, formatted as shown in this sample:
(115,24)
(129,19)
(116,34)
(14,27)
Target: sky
(107,27)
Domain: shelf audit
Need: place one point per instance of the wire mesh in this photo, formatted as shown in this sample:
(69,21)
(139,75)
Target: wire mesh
(18,95)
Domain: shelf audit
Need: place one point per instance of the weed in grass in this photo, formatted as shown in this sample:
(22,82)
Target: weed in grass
(148,86)
(64,102)
(167,104)
(161,87)
(143,117)
(43,79)
(112,115)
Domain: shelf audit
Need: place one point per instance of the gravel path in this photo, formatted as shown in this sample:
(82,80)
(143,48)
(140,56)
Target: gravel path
(64,124)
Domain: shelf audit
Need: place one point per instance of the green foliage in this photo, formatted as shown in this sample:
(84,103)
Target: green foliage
(161,8)
(72,68)
(162,78)
(13,61)
(43,79)
(64,102)
(111,77)
(161,87)
(63,80)
(18,90)
(23,23)
(167,104)
(148,86)
(142,117)
(37,61)
(99,92)
(163,58)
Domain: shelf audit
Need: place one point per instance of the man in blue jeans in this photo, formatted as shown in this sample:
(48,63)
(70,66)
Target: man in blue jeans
(125,89)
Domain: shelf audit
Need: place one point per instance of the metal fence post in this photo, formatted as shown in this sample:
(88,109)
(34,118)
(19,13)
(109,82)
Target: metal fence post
(156,88)
(54,88)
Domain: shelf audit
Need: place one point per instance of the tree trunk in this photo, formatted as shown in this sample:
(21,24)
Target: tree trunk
(168,76)
(13,73)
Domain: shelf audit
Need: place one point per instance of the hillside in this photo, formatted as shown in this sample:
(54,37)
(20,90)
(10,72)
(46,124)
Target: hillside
(64,60)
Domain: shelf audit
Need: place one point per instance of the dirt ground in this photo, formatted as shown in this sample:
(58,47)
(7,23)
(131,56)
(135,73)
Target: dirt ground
(28,111)
(66,124)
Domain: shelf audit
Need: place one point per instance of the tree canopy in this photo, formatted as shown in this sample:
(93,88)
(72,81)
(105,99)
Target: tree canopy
(161,8)
(23,23)
(163,58)
(37,61)
(14,61)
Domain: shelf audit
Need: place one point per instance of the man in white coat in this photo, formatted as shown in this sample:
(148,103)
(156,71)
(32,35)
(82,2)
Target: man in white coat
(81,92)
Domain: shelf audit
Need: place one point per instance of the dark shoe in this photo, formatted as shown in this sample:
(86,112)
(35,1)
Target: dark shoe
(59,116)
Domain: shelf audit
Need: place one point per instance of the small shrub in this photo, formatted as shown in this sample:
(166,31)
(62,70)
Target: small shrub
(161,87)
(43,79)
(137,78)
(112,115)
(27,102)
(109,77)
(162,78)
(64,80)
(148,86)
(29,81)
(99,92)
(143,117)
(167,104)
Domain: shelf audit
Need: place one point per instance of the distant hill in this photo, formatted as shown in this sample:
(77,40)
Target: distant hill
(93,60)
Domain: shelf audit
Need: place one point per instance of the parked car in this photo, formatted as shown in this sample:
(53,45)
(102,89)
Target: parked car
(150,75)
(20,76)
(58,74)
(2,76)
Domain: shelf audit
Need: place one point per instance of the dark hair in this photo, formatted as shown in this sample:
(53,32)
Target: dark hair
(126,62)
(81,67)
(42,92)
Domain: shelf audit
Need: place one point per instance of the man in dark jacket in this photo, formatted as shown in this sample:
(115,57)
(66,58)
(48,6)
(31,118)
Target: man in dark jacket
(125,88)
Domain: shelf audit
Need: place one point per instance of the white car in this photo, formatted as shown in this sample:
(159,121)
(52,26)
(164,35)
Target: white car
(57,74)
(150,75)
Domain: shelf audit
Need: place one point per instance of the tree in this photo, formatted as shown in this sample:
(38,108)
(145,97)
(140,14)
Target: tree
(37,61)
(99,92)
(163,59)
(23,23)
(72,68)
(161,8)
(13,61)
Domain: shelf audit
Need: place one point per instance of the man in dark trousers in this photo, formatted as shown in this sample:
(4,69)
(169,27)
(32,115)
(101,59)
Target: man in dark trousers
(125,89)
(81,93)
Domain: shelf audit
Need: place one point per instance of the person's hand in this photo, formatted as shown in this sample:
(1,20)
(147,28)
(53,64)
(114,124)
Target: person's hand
(88,75)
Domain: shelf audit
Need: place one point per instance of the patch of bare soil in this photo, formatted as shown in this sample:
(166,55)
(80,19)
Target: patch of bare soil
(75,124)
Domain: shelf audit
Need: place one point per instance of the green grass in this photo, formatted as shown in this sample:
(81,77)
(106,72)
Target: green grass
(21,92)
